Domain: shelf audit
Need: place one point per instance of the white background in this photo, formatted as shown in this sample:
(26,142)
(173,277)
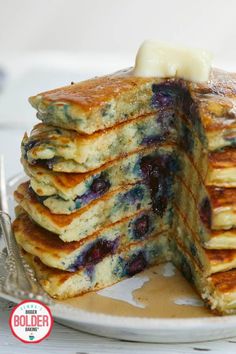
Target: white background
(117,26)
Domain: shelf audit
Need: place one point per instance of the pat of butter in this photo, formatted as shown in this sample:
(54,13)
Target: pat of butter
(164,61)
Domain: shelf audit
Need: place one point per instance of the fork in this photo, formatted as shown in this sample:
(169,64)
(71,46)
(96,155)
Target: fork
(19,280)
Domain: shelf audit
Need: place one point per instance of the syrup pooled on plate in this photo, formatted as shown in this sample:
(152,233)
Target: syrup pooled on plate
(164,294)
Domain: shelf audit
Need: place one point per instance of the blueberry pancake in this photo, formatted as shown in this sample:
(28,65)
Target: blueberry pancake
(222,239)
(223,201)
(67,151)
(77,190)
(217,290)
(96,104)
(71,256)
(222,168)
(210,214)
(202,214)
(142,167)
(209,261)
(110,208)
(113,268)
(103,102)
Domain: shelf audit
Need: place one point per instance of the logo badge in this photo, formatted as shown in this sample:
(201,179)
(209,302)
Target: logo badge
(31,321)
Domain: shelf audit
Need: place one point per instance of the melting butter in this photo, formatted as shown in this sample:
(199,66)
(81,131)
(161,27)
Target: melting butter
(165,61)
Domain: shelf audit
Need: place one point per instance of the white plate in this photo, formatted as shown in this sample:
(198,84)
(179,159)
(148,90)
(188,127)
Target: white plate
(143,329)
(136,328)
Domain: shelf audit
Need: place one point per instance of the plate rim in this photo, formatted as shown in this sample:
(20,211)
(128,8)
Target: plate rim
(67,312)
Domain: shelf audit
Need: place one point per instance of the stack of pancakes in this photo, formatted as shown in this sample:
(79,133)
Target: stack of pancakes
(127,172)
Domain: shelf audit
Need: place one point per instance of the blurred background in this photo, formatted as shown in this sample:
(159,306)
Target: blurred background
(49,43)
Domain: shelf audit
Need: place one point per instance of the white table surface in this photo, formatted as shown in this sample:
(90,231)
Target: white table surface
(66,340)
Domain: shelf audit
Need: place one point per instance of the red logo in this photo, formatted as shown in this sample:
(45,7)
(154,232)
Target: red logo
(31,321)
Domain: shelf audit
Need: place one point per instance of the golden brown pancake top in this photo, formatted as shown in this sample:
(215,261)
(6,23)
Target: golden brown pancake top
(215,98)
(40,237)
(70,180)
(44,272)
(23,192)
(94,92)
(43,239)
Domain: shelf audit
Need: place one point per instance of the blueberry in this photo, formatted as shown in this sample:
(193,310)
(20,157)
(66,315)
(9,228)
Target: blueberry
(193,250)
(205,212)
(136,265)
(98,250)
(141,226)
(106,109)
(50,162)
(187,103)
(57,131)
(186,139)
(45,163)
(100,185)
(152,139)
(146,166)
(89,270)
(186,270)
(163,95)
(159,177)
(167,120)
(28,146)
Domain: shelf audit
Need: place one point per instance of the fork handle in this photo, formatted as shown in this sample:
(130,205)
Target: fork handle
(17,271)
(20,279)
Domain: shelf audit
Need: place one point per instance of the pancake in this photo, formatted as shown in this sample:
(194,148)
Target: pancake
(113,207)
(223,202)
(221,260)
(80,189)
(159,160)
(222,168)
(206,209)
(198,221)
(191,241)
(67,151)
(96,104)
(218,291)
(209,261)
(74,191)
(72,185)
(222,239)
(222,292)
(60,284)
(72,256)
(103,102)
(201,213)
